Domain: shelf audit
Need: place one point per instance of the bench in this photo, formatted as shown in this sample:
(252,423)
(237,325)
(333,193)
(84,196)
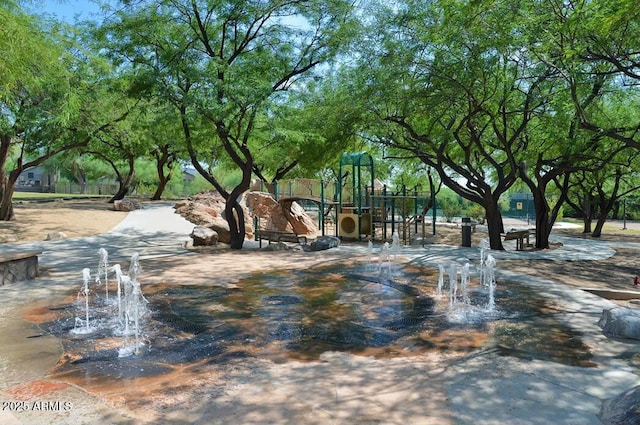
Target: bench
(278,236)
(519,236)
(18,266)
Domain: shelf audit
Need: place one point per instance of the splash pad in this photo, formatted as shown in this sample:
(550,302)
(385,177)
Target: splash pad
(383,310)
(199,329)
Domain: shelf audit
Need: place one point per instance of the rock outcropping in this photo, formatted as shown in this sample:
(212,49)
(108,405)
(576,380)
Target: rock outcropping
(206,209)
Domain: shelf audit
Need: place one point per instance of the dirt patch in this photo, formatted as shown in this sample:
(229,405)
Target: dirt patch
(616,272)
(75,218)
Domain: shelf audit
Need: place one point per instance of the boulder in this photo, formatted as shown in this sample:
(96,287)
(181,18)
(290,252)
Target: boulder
(621,322)
(221,227)
(204,236)
(55,236)
(261,204)
(300,221)
(126,205)
(202,209)
(268,210)
(322,243)
(207,209)
(622,409)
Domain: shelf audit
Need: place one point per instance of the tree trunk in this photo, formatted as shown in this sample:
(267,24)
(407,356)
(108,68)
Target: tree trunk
(6,191)
(233,211)
(124,184)
(604,209)
(162,185)
(587,211)
(597,232)
(615,212)
(495,226)
(543,228)
(586,221)
(7,187)
(6,203)
(163,158)
(120,194)
(235,217)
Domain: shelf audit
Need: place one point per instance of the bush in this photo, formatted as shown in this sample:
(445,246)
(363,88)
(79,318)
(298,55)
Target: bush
(476,212)
(450,208)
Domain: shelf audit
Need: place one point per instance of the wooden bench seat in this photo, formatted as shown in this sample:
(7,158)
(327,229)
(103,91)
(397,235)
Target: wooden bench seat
(18,266)
(279,236)
(519,236)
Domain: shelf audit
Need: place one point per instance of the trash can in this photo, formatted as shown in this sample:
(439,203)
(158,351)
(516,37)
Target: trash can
(466,231)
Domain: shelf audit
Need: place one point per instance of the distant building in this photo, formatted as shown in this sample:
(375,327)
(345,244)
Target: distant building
(36,179)
(189,174)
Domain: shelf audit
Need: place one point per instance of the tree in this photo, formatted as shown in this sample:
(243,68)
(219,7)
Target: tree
(597,193)
(119,146)
(159,131)
(458,88)
(51,100)
(310,131)
(76,167)
(606,42)
(557,144)
(221,65)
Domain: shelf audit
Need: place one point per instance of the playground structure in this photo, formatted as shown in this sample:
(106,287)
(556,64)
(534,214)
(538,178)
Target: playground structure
(358,206)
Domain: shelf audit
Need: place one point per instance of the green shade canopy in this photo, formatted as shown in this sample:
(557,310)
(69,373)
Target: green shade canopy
(358,159)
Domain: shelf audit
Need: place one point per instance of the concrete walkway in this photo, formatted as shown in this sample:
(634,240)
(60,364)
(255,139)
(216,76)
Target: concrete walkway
(483,388)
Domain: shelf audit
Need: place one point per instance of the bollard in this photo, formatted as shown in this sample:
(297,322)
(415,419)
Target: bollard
(466,231)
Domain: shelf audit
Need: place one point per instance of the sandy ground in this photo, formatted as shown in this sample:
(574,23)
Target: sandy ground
(75,218)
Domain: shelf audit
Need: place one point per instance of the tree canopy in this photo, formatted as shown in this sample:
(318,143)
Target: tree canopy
(488,95)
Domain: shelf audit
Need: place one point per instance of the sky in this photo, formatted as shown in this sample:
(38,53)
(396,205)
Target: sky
(67,9)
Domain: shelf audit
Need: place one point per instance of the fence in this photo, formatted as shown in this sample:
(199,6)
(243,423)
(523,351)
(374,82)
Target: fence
(303,188)
(85,189)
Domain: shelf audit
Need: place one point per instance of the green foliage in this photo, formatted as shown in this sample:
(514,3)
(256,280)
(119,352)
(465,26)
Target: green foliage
(475,211)
(451,208)
(504,203)
(450,204)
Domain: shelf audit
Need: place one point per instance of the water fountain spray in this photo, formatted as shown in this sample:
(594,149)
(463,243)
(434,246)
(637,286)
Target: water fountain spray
(464,284)
(369,253)
(134,307)
(384,259)
(484,245)
(118,272)
(395,244)
(453,284)
(134,267)
(491,281)
(103,270)
(84,327)
(440,280)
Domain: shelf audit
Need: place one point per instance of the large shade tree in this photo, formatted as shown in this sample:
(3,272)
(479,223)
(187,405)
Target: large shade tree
(596,193)
(608,42)
(459,89)
(53,96)
(306,135)
(221,64)
(583,92)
